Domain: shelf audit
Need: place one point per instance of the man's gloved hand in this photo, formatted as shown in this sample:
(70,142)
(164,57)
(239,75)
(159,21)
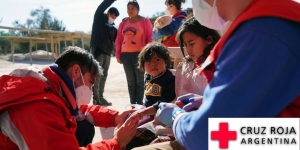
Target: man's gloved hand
(185,98)
(166,113)
(194,104)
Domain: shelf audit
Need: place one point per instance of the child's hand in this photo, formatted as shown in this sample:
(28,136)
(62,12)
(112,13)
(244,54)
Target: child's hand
(121,117)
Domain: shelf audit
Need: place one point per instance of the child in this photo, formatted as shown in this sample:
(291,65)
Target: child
(198,41)
(159,81)
(159,87)
(159,23)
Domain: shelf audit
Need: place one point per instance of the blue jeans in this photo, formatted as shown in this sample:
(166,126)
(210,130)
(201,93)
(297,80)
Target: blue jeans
(135,77)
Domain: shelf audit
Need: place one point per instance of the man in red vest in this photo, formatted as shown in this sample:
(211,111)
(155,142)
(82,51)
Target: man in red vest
(254,70)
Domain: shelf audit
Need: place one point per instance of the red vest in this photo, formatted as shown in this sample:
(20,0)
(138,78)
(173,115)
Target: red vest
(285,9)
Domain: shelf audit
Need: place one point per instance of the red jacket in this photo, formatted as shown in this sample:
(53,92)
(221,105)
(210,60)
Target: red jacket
(34,115)
(292,13)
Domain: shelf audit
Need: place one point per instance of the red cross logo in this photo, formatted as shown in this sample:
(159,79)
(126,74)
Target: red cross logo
(223,135)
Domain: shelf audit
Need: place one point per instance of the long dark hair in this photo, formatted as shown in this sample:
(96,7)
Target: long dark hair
(193,26)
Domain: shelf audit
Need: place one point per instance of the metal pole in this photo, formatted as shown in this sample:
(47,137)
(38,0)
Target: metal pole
(46,45)
(12,46)
(58,44)
(65,41)
(30,48)
(52,48)
(82,43)
(36,51)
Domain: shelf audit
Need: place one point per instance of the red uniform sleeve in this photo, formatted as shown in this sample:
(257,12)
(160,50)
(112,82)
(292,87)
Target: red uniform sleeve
(46,125)
(103,117)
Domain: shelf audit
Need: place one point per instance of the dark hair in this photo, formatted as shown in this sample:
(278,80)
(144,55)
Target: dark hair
(193,26)
(153,48)
(114,10)
(177,3)
(76,55)
(135,4)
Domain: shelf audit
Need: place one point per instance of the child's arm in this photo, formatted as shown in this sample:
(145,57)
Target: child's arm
(147,111)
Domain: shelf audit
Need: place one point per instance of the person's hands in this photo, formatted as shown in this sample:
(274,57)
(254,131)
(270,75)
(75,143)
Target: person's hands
(80,117)
(136,116)
(120,118)
(125,132)
(166,112)
(185,98)
(119,60)
(194,103)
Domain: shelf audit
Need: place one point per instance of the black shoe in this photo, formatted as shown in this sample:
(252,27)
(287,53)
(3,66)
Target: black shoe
(104,102)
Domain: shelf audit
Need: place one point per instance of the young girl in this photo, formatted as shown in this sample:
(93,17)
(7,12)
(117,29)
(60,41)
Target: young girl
(198,41)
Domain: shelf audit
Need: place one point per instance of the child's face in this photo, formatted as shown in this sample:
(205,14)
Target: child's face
(194,45)
(155,66)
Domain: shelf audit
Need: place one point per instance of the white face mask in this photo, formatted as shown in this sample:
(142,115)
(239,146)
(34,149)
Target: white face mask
(208,15)
(167,12)
(83,93)
(111,20)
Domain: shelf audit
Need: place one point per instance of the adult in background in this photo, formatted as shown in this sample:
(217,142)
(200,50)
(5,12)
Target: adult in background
(102,45)
(253,71)
(134,33)
(175,11)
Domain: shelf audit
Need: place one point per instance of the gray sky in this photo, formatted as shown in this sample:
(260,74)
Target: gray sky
(76,14)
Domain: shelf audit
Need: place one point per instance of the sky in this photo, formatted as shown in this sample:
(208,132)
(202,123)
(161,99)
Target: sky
(77,15)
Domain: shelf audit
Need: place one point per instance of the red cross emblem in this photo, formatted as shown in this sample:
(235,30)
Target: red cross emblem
(223,135)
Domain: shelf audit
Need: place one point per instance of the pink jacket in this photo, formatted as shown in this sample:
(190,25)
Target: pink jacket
(147,36)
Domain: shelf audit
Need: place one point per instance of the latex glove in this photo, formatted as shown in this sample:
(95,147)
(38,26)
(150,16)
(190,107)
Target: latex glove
(185,98)
(119,60)
(195,103)
(166,112)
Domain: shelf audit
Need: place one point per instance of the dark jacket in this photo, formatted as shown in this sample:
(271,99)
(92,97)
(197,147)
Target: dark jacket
(103,33)
(160,89)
